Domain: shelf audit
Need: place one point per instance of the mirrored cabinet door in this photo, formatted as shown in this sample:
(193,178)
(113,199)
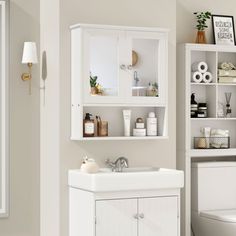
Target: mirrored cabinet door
(102,66)
(148,63)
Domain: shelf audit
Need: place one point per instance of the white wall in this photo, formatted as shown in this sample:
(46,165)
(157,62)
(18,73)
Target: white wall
(124,12)
(24,126)
(186,20)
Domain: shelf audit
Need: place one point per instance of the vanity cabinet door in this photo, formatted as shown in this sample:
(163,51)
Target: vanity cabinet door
(116,217)
(158,216)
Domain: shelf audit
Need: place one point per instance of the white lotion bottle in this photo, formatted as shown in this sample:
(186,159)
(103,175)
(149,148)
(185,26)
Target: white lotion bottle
(151,124)
(127,117)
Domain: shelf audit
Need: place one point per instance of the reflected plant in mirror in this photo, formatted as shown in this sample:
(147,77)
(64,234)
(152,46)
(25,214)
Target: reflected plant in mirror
(96,88)
(152,90)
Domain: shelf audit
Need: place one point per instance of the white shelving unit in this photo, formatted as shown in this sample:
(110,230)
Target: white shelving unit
(106,52)
(187,127)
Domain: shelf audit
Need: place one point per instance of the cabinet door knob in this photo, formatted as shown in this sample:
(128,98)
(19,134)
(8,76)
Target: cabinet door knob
(123,67)
(141,216)
(130,67)
(136,216)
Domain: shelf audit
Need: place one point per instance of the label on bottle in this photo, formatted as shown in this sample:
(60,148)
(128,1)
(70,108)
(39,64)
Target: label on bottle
(89,128)
(151,126)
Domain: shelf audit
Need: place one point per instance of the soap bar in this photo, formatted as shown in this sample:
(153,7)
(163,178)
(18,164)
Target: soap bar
(139,132)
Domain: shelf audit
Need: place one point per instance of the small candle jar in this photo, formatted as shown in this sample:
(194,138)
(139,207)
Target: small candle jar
(139,123)
(202,110)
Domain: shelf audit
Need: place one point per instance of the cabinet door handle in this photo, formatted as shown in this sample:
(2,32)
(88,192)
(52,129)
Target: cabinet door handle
(123,67)
(141,216)
(130,67)
(136,216)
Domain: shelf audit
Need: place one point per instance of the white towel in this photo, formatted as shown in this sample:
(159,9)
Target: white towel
(219,138)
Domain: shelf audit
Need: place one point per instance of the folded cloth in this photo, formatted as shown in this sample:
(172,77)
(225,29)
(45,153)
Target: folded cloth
(227,79)
(230,73)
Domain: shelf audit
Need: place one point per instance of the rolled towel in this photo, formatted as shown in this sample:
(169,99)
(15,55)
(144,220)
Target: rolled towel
(200,66)
(227,66)
(219,133)
(207,77)
(219,138)
(232,66)
(224,66)
(197,77)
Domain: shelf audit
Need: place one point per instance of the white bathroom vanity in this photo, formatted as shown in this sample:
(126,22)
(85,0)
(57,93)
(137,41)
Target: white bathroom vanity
(142,202)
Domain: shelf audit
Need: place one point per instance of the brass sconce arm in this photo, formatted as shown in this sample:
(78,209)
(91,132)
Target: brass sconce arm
(27,76)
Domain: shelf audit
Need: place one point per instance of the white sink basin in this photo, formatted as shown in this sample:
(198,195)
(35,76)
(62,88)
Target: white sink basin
(128,170)
(130,179)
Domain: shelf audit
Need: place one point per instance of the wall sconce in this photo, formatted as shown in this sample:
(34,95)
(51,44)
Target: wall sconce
(29,57)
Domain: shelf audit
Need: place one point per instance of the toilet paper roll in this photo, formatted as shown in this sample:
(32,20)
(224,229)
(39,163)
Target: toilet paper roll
(207,77)
(200,66)
(197,77)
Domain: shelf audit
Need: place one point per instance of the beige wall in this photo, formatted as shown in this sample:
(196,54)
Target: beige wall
(24,127)
(123,12)
(186,21)
(50,121)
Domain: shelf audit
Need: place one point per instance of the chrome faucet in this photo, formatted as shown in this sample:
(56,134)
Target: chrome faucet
(118,165)
(136,79)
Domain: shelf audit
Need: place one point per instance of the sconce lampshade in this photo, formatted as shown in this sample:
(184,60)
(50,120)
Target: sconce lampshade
(30,53)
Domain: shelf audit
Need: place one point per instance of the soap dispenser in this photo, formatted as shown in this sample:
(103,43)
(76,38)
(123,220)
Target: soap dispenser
(88,126)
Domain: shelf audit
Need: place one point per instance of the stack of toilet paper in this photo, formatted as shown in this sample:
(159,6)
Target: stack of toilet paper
(200,73)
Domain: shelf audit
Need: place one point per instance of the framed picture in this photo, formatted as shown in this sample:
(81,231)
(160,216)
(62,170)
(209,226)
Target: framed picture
(223,29)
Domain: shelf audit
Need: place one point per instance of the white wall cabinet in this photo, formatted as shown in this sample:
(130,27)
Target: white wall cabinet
(107,52)
(214,95)
(124,214)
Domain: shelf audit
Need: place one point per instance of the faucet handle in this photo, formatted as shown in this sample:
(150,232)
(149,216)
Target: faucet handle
(109,163)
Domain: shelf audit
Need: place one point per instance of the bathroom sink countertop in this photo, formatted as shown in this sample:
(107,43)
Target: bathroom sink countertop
(145,178)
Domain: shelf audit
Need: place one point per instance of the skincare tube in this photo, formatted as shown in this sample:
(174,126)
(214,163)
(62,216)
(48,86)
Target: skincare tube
(127,117)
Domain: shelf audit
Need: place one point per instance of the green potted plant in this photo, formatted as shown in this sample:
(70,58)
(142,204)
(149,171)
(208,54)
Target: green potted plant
(202,18)
(93,84)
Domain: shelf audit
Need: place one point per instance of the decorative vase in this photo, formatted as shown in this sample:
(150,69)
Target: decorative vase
(228,112)
(201,37)
(94,90)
